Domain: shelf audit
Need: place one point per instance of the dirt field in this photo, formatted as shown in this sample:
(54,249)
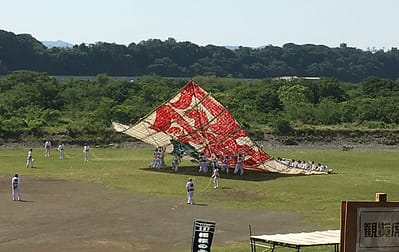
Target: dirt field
(58,215)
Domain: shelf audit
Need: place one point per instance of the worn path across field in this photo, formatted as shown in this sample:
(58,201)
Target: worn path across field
(57,215)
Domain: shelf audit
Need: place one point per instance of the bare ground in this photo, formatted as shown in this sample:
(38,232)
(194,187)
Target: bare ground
(57,215)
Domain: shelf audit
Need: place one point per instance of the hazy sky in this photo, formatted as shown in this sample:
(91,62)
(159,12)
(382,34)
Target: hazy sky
(359,23)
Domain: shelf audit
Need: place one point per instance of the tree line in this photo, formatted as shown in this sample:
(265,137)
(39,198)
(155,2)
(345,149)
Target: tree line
(35,105)
(185,59)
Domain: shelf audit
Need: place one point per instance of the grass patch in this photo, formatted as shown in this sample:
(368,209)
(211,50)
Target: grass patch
(359,175)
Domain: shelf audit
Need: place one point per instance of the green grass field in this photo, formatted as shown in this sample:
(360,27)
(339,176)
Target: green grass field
(358,176)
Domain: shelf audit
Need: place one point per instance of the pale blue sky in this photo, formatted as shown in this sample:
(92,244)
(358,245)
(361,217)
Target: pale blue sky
(359,23)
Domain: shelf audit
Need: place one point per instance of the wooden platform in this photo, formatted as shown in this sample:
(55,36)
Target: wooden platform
(296,240)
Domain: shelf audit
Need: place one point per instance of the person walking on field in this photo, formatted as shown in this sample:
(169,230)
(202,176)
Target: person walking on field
(175,163)
(157,163)
(47,147)
(203,166)
(15,188)
(61,148)
(190,191)
(238,167)
(216,177)
(214,162)
(29,160)
(225,164)
(86,150)
(162,151)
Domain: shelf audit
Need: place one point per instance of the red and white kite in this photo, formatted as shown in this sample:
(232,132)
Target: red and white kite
(194,117)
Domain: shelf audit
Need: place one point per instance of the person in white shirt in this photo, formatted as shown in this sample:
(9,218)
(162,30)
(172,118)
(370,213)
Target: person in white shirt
(162,151)
(86,150)
(61,148)
(175,163)
(154,160)
(190,191)
(225,164)
(47,147)
(29,159)
(313,166)
(158,158)
(15,188)
(216,177)
(214,161)
(238,167)
(203,163)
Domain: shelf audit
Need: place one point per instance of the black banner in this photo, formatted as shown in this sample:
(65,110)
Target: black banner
(202,235)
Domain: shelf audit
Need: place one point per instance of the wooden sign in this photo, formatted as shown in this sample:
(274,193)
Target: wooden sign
(370,226)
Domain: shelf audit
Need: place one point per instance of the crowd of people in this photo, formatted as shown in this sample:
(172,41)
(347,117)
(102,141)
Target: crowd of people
(60,148)
(215,162)
(15,181)
(158,161)
(302,164)
(222,163)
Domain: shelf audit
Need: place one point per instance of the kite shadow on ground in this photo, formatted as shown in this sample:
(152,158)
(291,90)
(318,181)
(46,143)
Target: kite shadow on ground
(248,175)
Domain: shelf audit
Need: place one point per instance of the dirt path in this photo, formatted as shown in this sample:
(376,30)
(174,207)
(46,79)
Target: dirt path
(57,215)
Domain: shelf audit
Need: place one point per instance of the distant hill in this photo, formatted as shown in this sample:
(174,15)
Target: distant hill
(185,59)
(58,43)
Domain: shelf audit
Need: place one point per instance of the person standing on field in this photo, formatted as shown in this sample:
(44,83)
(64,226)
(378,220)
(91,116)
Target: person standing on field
(214,162)
(86,150)
(61,148)
(190,191)
(47,147)
(162,151)
(158,158)
(225,164)
(216,177)
(203,166)
(29,159)
(15,188)
(175,163)
(238,168)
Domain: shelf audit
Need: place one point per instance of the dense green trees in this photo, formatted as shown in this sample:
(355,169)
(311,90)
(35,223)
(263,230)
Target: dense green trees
(35,105)
(184,59)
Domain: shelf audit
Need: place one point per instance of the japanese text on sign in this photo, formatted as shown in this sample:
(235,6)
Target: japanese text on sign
(377,229)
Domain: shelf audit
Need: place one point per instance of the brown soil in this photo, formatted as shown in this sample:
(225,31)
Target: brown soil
(57,215)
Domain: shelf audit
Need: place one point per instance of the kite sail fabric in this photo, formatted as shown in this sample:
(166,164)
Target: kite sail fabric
(195,121)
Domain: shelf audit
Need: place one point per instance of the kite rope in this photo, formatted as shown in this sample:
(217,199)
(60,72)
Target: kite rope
(207,186)
(94,155)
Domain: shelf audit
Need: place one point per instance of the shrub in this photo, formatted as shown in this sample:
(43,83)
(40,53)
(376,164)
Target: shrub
(282,127)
